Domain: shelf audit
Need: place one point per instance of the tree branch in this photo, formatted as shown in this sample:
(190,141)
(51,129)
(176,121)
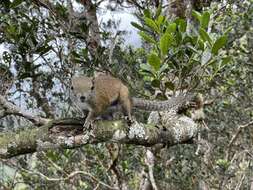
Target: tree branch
(71,175)
(235,136)
(68,133)
(8,108)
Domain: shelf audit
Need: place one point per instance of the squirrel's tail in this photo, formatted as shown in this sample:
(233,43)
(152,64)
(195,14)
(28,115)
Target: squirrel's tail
(154,105)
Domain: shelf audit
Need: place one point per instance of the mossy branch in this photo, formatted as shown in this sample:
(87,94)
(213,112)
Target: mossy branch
(68,133)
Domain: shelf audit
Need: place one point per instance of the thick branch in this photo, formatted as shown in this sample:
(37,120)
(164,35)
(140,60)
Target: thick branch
(68,133)
(94,40)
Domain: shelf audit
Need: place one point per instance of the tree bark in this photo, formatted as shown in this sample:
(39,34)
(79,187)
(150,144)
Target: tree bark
(90,13)
(68,133)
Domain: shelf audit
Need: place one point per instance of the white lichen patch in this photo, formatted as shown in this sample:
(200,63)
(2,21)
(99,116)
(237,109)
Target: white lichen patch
(178,133)
(60,139)
(153,118)
(137,130)
(118,135)
(70,141)
(85,138)
(162,117)
(185,126)
(45,145)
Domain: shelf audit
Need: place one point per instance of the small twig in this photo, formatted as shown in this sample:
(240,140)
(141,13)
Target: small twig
(238,187)
(71,175)
(150,161)
(233,139)
(112,48)
(49,6)
(11,109)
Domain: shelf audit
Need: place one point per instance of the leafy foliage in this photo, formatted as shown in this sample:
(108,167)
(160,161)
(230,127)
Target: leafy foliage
(44,47)
(179,53)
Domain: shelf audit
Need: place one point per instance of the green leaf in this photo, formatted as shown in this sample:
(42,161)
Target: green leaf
(139,27)
(154,61)
(178,38)
(147,13)
(16,3)
(205,37)
(201,45)
(218,44)
(165,42)
(205,20)
(197,15)
(147,37)
(146,69)
(160,20)
(181,24)
(150,23)
(171,28)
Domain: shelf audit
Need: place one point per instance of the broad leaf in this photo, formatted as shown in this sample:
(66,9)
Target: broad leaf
(149,22)
(171,28)
(181,24)
(147,37)
(147,13)
(219,43)
(139,27)
(160,20)
(201,45)
(154,61)
(205,20)
(197,15)
(165,42)
(146,69)
(205,37)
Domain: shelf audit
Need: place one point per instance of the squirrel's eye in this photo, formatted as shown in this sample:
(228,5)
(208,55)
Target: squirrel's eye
(82,98)
(72,88)
(92,88)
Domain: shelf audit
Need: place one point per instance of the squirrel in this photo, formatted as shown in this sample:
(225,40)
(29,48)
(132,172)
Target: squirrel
(97,94)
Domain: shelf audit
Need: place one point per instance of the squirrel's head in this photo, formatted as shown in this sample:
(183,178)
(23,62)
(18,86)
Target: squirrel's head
(82,88)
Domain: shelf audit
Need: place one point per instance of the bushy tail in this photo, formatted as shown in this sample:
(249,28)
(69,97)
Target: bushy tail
(154,105)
